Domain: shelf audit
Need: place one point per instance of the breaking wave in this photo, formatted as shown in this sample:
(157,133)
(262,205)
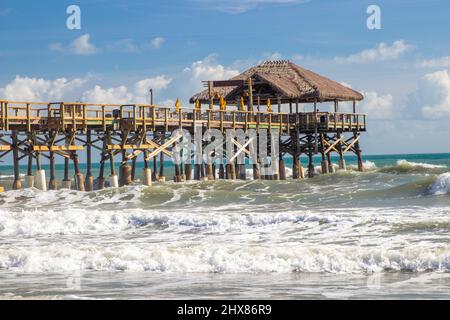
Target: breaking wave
(404,166)
(213,258)
(442,185)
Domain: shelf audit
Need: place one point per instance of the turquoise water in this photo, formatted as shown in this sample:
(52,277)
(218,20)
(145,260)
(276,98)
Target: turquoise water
(380,234)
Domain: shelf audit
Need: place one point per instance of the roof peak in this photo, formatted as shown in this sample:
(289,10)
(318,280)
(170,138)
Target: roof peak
(275,63)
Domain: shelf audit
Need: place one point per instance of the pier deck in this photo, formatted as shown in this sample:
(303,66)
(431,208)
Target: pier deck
(45,116)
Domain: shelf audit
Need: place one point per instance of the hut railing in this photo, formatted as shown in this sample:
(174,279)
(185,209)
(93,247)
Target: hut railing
(332,121)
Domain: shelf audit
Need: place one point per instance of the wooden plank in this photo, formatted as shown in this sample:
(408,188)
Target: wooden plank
(58,148)
(242,148)
(155,145)
(351,144)
(332,147)
(164,146)
(129,147)
(228,83)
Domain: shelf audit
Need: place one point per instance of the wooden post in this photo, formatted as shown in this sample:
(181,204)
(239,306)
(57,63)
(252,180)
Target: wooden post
(133,168)
(250,94)
(125,178)
(358,153)
(342,164)
(231,170)
(197,172)
(67,183)
(311,169)
(161,163)
(101,176)
(325,167)
(89,183)
(282,168)
(112,167)
(210,93)
(177,178)
(242,172)
(188,170)
(17,182)
(256,172)
(155,176)
(330,164)
(296,167)
(78,175)
(221,171)
(52,183)
(29,178)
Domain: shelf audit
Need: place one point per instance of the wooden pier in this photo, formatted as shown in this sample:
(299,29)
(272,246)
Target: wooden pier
(137,132)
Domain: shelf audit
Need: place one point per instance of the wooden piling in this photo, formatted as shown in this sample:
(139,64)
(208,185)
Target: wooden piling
(325,167)
(161,165)
(198,172)
(66,183)
(282,168)
(29,178)
(155,175)
(89,182)
(358,153)
(221,171)
(101,176)
(52,185)
(295,167)
(188,171)
(79,178)
(15,146)
(256,172)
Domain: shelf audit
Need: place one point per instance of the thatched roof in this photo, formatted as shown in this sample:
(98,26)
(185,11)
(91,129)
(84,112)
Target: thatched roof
(284,80)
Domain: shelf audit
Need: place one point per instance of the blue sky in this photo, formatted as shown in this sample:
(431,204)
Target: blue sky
(125,46)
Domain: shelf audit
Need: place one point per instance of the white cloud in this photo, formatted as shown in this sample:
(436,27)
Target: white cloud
(157,83)
(382,52)
(377,106)
(38,89)
(158,42)
(118,95)
(241,6)
(122,94)
(432,97)
(442,62)
(208,69)
(80,46)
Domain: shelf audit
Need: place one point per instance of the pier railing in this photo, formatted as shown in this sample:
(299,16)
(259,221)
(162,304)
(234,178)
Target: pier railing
(28,116)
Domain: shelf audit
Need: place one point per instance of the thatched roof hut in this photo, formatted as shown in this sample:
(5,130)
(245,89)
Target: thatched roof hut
(285,81)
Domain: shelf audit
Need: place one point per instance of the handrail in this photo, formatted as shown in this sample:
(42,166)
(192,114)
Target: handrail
(83,114)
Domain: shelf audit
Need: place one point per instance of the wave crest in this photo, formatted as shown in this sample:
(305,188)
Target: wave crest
(442,185)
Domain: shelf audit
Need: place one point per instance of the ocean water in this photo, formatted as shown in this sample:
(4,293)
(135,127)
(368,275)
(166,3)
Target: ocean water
(381,234)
